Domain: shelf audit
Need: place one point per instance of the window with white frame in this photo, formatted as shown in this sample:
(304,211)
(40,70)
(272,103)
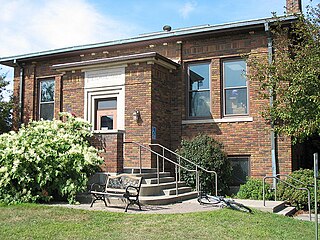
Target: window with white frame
(240,169)
(199,90)
(235,89)
(46,101)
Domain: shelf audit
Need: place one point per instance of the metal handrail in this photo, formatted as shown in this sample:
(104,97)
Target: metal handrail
(275,177)
(165,158)
(297,180)
(189,161)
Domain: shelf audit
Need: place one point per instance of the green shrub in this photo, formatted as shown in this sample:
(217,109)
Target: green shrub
(297,198)
(253,189)
(208,153)
(46,159)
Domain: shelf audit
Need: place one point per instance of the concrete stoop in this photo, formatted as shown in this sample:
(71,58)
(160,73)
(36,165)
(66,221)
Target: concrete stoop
(277,207)
(164,192)
(152,192)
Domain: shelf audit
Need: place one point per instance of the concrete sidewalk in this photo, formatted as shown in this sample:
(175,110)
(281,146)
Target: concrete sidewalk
(305,217)
(182,207)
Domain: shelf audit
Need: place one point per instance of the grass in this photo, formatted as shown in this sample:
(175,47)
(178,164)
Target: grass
(31,221)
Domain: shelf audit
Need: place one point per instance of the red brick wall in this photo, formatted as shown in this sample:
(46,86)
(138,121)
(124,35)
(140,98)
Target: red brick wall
(164,117)
(73,93)
(160,96)
(112,150)
(137,97)
(239,138)
(293,6)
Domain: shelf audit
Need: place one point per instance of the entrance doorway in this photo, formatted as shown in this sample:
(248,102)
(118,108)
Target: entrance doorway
(106,114)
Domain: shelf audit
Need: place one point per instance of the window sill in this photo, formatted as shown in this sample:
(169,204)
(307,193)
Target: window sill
(220,120)
(108,131)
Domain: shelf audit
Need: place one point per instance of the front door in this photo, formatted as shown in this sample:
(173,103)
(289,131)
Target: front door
(107,119)
(106,114)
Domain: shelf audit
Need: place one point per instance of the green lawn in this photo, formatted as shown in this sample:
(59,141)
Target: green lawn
(30,221)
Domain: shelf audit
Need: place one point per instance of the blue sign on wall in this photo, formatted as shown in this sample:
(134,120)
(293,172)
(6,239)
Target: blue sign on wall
(154,133)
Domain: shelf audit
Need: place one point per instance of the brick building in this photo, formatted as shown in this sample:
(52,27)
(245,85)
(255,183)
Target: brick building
(160,88)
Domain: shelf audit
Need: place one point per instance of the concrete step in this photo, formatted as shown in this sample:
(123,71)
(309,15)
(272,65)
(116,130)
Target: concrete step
(287,211)
(155,180)
(163,199)
(137,170)
(271,206)
(158,189)
(181,190)
(152,175)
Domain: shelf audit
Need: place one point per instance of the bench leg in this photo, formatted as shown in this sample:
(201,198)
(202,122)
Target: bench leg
(97,197)
(126,209)
(132,202)
(92,202)
(104,200)
(139,205)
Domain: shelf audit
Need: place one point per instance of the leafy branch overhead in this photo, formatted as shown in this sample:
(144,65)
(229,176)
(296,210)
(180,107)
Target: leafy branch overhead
(293,77)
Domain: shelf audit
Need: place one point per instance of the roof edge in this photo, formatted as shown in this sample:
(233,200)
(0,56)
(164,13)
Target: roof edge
(9,61)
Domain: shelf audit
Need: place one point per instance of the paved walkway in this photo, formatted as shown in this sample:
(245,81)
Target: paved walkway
(305,217)
(183,207)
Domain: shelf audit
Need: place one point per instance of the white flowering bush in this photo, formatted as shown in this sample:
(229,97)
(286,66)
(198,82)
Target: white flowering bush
(46,159)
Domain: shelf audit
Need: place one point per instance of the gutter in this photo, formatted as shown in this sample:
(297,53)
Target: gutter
(273,136)
(20,91)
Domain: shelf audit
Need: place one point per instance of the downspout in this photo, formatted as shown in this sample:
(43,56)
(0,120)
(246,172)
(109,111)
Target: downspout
(272,135)
(183,90)
(20,91)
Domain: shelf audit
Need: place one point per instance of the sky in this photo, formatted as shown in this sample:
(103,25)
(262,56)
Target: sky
(37,25)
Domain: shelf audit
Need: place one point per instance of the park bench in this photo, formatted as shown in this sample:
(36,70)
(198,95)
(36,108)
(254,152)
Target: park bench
(122,186)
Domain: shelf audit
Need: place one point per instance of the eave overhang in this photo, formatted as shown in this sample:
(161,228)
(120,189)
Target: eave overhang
(150,58)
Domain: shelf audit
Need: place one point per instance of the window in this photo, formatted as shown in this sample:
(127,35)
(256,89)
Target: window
(235,89)
(106,114)
(46,108)
(199,90)
(240,170)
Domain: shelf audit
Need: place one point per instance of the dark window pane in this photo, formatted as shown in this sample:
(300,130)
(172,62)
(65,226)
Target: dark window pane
(106,122)
(107,104)
(47,91)
(234,74)
(240,170)
(46,111)
(199,104)
(236,101)
(199,76)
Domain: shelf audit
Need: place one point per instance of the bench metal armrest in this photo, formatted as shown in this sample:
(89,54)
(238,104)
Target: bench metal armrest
(97,187)
(130,194)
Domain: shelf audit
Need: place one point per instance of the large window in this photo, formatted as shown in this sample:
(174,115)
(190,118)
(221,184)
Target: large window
(240,170)
(235,89)
(106,114)
(46,103)
(199,90)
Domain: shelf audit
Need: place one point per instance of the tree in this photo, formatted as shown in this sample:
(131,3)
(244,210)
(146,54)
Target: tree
(5,106)
(293,77)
